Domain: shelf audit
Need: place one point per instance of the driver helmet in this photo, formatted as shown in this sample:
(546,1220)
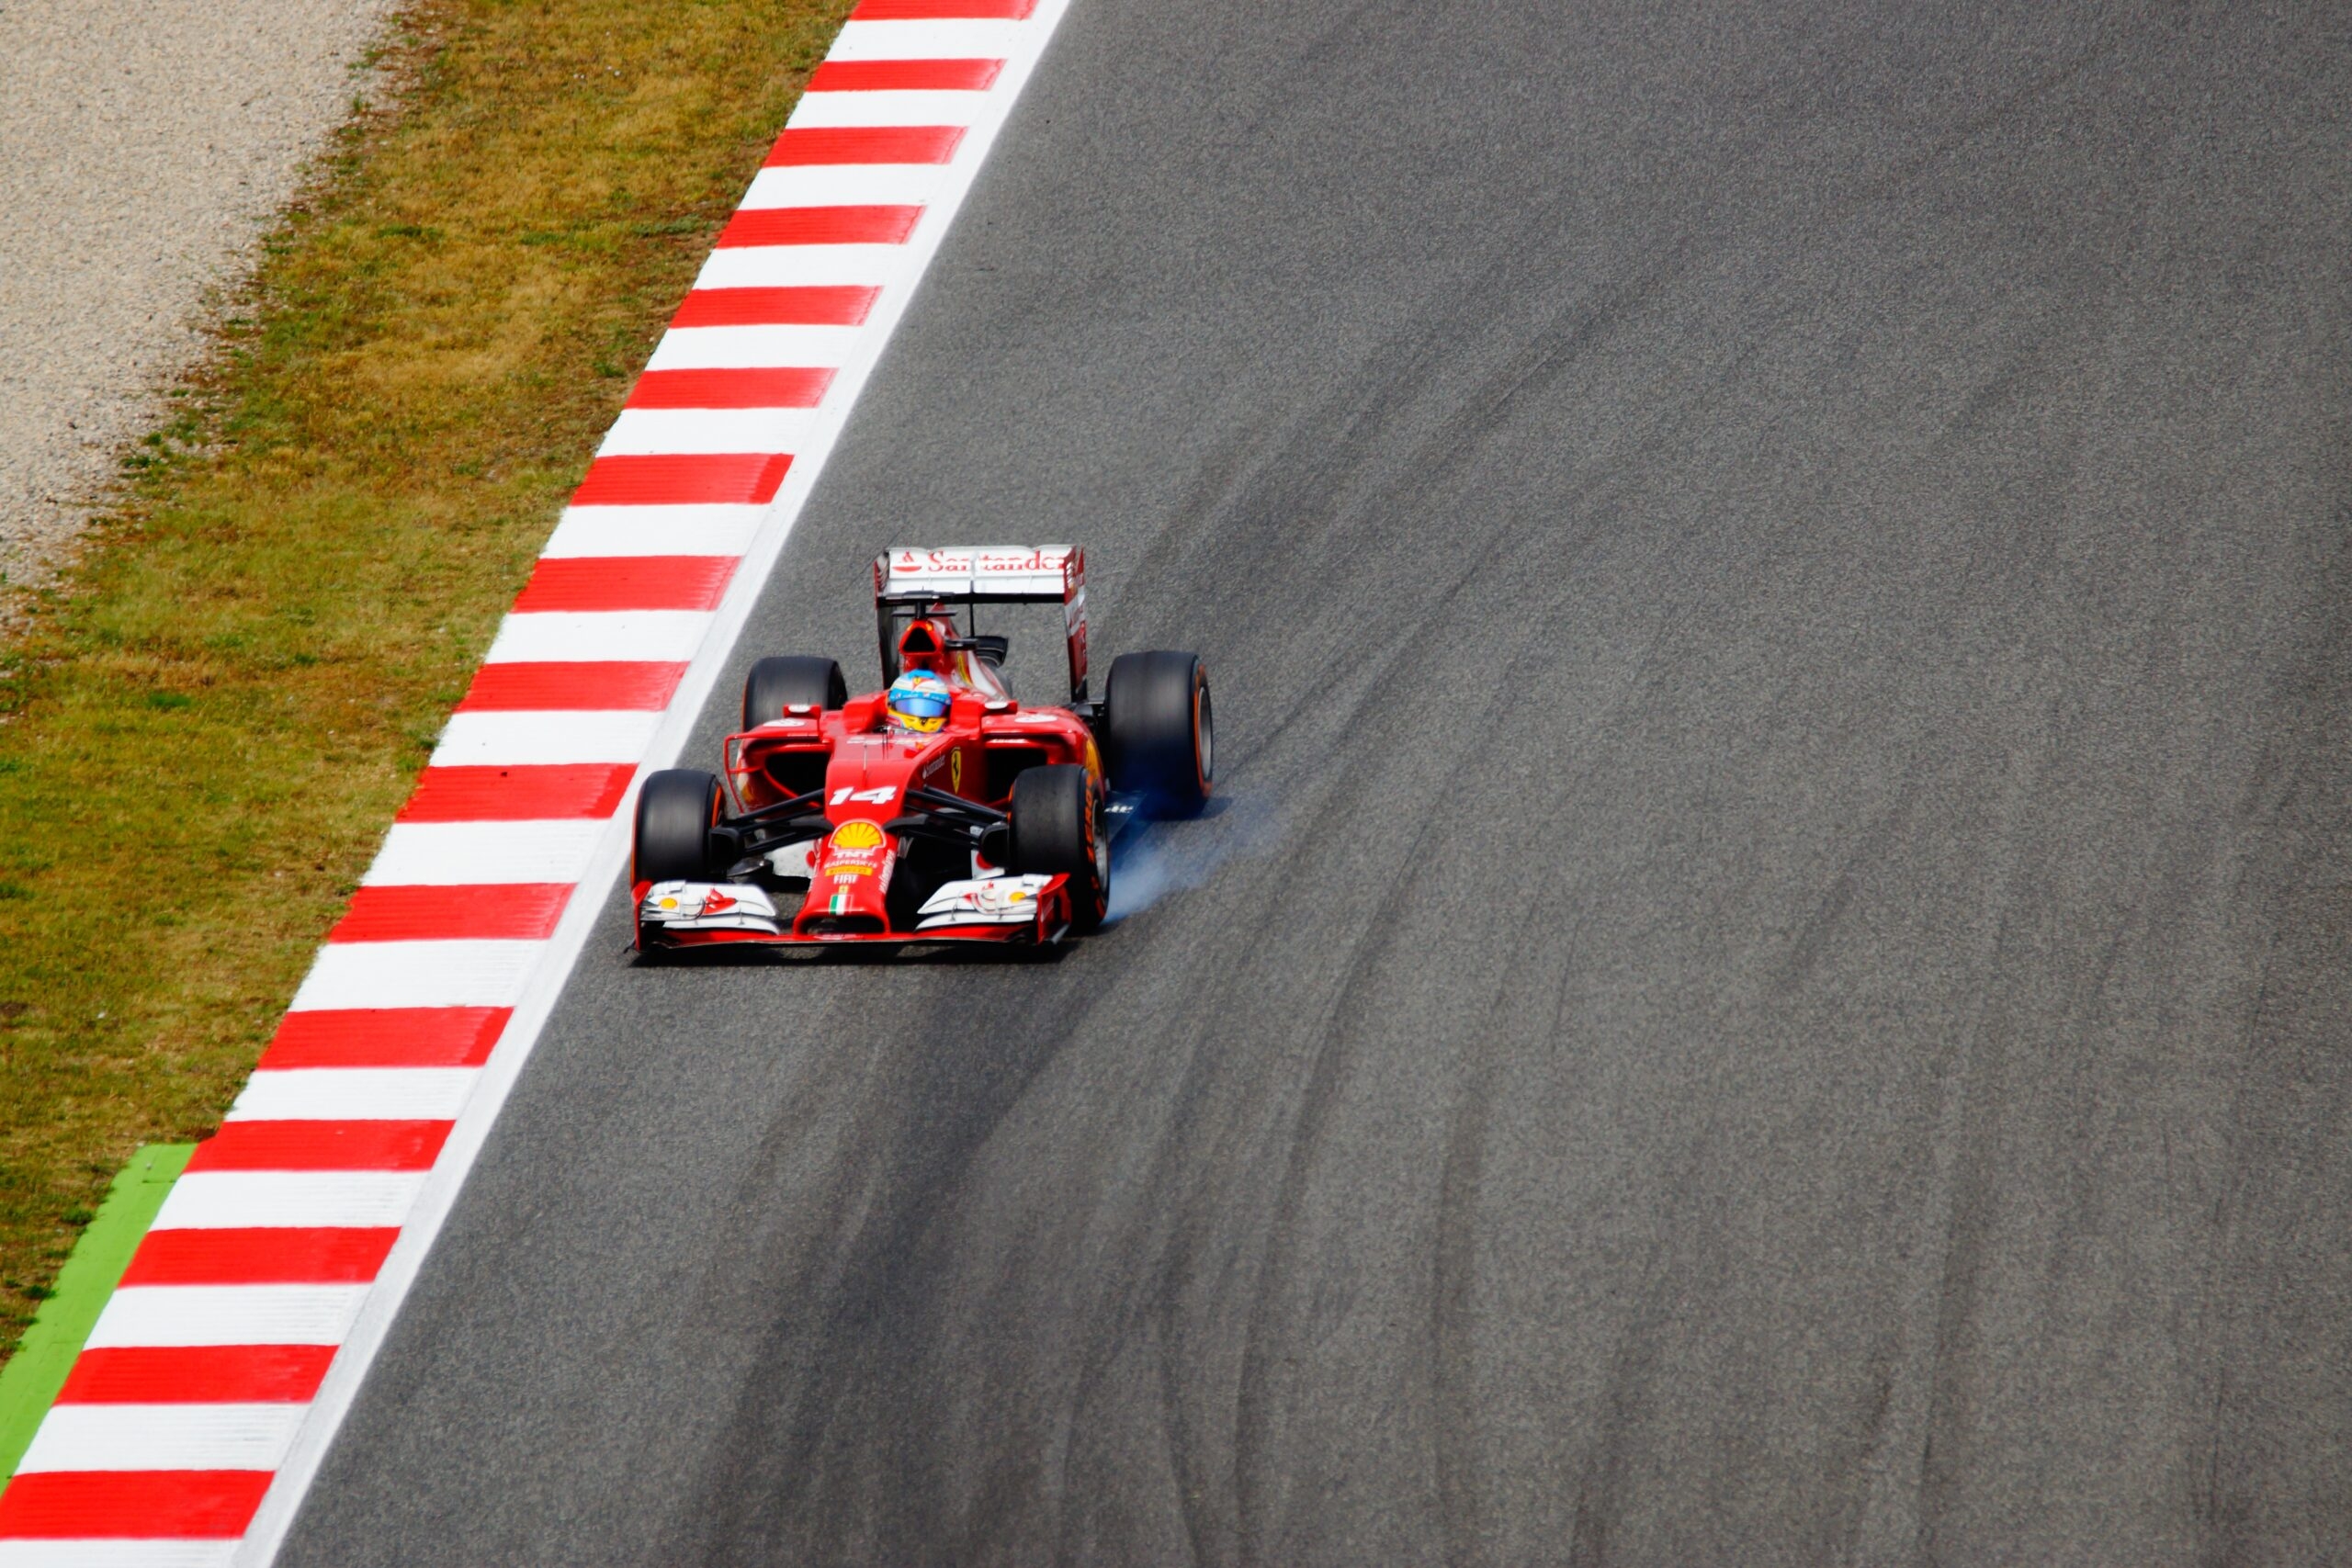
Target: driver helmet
(918,703)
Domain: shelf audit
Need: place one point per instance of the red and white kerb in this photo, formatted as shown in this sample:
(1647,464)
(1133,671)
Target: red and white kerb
(221,1366)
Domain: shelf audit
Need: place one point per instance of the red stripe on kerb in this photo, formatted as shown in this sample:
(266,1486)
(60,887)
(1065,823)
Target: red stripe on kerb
(761,389)
(386,1037)
(322,1146)
(819,226)
(717,479)
(905,77)
(197,1374)
(589,686)
(139,1505)
(518,794)
(865,144)
(276,1254)
(943,11)
(627,582)
(508,911)
(808,305)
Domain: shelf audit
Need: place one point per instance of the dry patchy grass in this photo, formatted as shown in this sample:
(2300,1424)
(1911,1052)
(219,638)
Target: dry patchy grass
(206,731)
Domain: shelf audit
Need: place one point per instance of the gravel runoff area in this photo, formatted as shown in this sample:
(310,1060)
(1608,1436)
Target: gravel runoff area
(146,144)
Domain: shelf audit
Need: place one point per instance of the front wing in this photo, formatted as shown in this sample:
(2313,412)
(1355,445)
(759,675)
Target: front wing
(1004,910)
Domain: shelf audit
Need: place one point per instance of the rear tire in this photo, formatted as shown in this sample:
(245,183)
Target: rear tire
(676,812)
(791,679)
(1158,736)
(1055,831)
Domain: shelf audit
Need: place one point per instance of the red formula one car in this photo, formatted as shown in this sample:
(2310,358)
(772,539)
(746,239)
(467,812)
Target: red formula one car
(941,809)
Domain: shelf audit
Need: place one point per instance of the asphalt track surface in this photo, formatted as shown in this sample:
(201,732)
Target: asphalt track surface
(1772,982)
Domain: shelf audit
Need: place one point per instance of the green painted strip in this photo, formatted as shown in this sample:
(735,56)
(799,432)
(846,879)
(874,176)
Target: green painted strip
(38,1369)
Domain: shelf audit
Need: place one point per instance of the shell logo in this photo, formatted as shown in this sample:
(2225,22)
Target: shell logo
(857,836)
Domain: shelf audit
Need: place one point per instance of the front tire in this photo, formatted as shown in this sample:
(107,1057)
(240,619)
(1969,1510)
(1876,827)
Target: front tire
(791,679)
(1055,832)
(1157,731)
(925,867)
(676,812)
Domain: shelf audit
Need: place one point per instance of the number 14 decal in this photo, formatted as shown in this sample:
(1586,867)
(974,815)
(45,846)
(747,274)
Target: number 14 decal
(881,795)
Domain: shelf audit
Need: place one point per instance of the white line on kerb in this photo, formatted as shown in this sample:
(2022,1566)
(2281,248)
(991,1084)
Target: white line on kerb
(162,1437)
(354,1094)
(526,740)
(237,1200)
(818,110)
(662,530)
(844,185)
(453,973)
(29,1552)
(731,348)
(226,1314)
(452,854)
(674,431)
(568,636)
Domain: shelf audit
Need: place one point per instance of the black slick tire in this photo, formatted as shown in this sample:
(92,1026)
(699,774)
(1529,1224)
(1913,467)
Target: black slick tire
(925,867)
(1158,733)
(676,812)
(1055,831)
(790,680)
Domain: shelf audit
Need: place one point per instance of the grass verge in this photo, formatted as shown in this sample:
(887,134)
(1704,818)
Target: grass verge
(206,730)
(45,1356)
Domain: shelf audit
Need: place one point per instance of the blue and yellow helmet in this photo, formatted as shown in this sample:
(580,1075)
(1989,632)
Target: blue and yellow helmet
(918,702)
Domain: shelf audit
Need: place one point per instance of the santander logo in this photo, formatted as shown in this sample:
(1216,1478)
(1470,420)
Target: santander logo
(917,563)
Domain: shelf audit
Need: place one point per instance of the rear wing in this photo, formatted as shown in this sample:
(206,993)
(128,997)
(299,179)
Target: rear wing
(909,579)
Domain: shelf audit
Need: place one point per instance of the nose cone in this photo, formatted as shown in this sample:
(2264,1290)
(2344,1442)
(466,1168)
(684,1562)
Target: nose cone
(848,891)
